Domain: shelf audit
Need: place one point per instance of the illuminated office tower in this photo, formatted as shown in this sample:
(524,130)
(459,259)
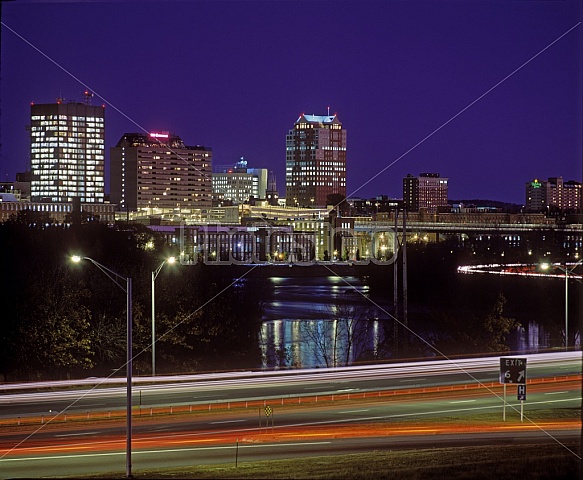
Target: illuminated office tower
(158,173)
(67,144)
(315,161)
(239,184)
(427,191)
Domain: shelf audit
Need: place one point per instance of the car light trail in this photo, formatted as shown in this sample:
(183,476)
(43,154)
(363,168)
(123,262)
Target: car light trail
(281,434)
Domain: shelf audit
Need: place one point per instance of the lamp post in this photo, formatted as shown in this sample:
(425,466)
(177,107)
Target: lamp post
(154,276)
(567,271)
(118,280)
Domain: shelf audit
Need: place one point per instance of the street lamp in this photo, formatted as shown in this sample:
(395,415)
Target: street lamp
(567,271)
(118,280)
(154,276)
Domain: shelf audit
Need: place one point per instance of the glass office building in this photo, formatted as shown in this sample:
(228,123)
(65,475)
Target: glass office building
(67,144)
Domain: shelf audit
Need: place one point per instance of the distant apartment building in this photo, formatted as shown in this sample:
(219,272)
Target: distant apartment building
(315,160)
(158,173)
(238,184)
(67,144)
(427,191)
(553,196)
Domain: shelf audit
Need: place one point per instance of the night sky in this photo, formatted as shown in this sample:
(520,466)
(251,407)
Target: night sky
(486,93)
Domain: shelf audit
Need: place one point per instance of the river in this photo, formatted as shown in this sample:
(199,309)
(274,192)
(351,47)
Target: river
(299,329)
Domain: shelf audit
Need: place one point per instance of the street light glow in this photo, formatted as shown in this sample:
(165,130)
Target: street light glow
(567,270)
(119,280)
(155,273)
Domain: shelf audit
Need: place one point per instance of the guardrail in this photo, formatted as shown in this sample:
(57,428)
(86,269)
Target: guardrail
(145,412)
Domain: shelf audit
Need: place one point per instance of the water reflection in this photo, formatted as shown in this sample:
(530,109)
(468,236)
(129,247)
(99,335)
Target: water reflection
(295,343)
(319,322)
(533,337)
(309,323)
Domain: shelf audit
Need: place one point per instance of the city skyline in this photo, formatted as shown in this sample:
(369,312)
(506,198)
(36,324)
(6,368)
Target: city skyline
(486,94)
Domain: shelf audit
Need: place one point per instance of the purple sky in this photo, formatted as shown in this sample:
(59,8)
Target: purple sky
(236,75)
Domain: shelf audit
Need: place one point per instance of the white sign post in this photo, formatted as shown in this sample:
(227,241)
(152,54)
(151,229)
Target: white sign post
(521,395)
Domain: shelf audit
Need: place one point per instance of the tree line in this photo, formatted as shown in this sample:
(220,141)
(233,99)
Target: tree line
(62,319)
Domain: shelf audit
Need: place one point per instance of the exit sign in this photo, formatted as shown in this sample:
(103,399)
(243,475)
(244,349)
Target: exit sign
(512,370)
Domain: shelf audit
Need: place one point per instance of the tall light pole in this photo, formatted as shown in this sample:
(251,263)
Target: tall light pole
(118,280)
(567,271)
(154,276)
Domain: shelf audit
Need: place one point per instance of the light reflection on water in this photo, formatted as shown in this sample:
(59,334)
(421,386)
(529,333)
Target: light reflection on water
(285,344)
(300,305)
(302,309)
(309,297)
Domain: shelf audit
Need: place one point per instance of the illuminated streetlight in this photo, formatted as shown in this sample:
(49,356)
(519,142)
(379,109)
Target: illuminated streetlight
(117,279)
(545,266)
(155,273)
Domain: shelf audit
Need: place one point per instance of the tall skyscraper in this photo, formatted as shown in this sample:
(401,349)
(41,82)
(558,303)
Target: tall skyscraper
(428,191)
(315,160)
(157,171)
(67,144)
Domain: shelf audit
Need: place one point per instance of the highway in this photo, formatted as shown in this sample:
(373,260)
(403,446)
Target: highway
(312,412)
(236,386)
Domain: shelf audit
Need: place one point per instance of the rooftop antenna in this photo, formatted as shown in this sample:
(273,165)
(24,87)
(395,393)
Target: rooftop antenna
(88,97)
(328,110)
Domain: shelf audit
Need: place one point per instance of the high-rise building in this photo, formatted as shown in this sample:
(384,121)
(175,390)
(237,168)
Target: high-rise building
(315,161)
(239,184)
(553,195)
(536,196)
(67,144)
(571,201)
(427,191)
(411,193)
(157,172)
